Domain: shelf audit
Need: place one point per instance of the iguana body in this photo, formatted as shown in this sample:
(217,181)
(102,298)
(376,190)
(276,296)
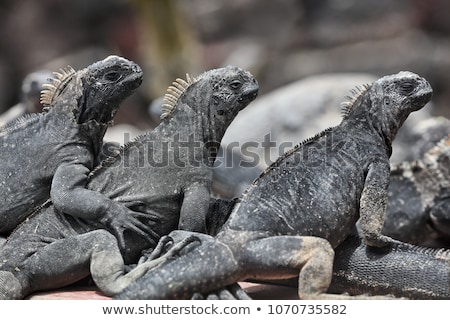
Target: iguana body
(163,176)
(289,220)
(419,198)
(51,153)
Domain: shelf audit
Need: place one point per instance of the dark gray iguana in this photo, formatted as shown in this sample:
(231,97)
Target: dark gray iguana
(51,153)
(164,176)
(289,220)
(418,208)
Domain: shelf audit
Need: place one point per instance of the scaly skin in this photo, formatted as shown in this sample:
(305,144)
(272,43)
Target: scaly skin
(163,177)
(401,270)
(50,154)
(289,220)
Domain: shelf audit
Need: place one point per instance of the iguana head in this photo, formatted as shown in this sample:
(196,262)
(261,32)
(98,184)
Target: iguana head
(93,93)
(216,96)
(405,92)
(389,101)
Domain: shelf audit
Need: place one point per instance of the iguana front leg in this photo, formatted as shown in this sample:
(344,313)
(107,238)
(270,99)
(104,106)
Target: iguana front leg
(194,208)
(373,203)
(70,195)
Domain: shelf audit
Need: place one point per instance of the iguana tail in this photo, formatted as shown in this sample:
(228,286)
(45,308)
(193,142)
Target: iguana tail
(402,270)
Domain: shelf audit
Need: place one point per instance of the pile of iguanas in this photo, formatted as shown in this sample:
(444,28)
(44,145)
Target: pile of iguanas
(321,206)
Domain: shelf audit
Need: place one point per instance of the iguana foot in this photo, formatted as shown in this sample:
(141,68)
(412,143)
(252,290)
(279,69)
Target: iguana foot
(232,292)
(176,239)
(107,267)
(121,218)
(158,251)
(162,253)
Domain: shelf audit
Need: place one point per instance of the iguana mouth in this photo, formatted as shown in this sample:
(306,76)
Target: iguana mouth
(249,94)
(423,97)
(130,80)
(134,79)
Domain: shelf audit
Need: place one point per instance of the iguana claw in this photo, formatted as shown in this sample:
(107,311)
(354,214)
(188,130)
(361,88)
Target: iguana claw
(118,223)
(167,248)
(231,292)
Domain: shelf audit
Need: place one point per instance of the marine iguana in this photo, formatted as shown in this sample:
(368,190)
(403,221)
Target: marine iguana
(50,154)
(163,175)
(419,198)
(303,205)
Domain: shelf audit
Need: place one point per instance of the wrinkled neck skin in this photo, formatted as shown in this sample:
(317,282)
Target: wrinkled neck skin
(65,111)
(194,126)
(213,132)
(94,132)
(386,121)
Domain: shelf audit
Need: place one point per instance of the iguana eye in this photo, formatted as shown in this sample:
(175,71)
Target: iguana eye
(407,87)
(220,112)
(112,76)
(236,84)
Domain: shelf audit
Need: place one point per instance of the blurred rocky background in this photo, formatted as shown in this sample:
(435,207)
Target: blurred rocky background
(306,55)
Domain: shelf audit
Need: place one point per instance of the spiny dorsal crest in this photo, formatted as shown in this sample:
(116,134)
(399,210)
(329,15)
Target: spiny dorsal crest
(441,148)
(437,158)
(120,153)
(51,89)
(287,154)
(440,253)
(356,92)
(174,92)
(433,161)
(406,168)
